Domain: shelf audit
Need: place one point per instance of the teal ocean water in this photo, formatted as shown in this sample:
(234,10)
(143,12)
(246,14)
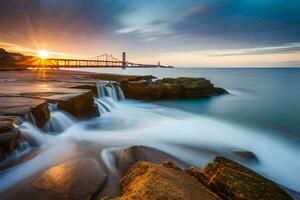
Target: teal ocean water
(262,98)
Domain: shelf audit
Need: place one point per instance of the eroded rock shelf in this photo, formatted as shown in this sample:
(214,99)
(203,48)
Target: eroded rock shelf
(24,96)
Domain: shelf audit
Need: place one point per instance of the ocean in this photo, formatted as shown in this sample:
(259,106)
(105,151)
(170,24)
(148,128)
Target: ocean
(259,98)
(261,114)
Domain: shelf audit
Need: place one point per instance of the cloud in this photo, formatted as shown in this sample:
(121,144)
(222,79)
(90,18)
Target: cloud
(284,49)
(250,22)
(220,28)
(52,17)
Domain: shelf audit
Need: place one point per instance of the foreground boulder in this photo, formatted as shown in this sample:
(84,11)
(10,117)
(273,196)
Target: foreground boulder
(80,179)
(171,88)
(152,181)
(132,155)
(230,180)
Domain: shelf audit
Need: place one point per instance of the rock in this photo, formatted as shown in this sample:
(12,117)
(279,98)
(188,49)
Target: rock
(91,87)
(172,91)
(130,156)
(152,181)
(80,179)
(41,114)
(171,165)
(247,156)
(80,106)
(24,107)
(9,136)
(141,90)
(220,91)
(171,88)
(193,87)
(230,180)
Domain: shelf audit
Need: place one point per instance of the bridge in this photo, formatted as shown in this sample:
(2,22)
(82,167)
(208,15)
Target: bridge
(104,60)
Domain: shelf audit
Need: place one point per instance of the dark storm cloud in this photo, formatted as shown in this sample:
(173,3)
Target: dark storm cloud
(252,22)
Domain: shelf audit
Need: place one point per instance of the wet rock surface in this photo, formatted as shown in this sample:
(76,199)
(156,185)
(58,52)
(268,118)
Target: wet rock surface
(171,88)
(144,177)
(130,156)
(25,108)
(152,181)
(80,106)
(9,136)
(80,179)
(24,96)
(247,156)
(230,180)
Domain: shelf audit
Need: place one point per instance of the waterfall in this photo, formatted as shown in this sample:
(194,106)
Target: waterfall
(28,117)
(108,94)
(111,90)
(52,106)
(33,134)
(59,120)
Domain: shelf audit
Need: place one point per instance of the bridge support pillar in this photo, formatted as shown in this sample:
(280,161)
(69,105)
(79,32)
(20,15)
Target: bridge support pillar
(124,60)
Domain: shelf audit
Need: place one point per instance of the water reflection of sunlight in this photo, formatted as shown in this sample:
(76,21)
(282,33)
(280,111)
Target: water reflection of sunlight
(43,87)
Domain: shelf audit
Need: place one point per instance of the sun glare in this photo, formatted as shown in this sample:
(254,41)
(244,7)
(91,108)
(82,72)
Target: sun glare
(43,54)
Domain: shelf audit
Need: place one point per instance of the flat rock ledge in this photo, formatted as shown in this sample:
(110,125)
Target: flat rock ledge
(25,96)
(171,88)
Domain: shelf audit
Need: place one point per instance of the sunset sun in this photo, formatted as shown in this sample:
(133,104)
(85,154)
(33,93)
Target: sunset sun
(43,54)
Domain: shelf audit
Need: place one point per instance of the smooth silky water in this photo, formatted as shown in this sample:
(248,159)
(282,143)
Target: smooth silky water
(260,115)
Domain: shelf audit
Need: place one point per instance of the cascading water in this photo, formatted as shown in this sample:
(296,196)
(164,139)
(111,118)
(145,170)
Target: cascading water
(59,120)
(111,90)
(108,94)
(34,135)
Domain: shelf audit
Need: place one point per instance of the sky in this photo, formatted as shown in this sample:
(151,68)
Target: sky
(183,33)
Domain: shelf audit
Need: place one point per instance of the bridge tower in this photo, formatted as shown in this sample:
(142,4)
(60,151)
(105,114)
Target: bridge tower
(124,62)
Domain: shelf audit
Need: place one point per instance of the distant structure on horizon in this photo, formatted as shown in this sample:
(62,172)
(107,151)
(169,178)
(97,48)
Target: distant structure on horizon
(124,64)
(102,61)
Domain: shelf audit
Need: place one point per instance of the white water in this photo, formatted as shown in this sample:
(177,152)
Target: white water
(108,93)
(59,122)
(34,134)
(195,139)
(111,90)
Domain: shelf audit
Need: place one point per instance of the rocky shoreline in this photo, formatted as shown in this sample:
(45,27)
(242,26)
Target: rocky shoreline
(221,179)
(25,95)
(143,172)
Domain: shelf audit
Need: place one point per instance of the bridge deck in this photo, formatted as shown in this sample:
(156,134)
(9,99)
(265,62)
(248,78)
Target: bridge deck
(73,63)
